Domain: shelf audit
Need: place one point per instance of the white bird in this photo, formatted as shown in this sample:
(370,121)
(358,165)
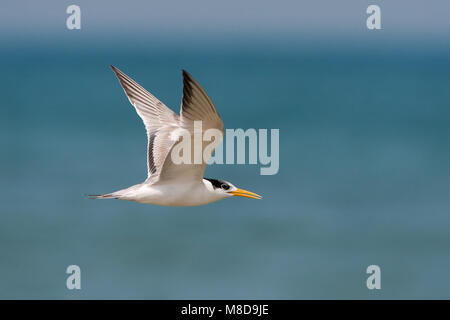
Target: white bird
(167,183)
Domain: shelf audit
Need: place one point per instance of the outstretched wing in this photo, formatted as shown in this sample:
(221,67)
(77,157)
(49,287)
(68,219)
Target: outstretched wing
(158,119)
(195,106)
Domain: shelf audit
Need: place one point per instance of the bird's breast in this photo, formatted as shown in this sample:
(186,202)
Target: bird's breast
(188,194)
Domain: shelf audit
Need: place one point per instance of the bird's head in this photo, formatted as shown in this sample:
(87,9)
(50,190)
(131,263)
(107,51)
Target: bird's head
(224,189)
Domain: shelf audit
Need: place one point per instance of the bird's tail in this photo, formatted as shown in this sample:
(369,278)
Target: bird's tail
(119,194)
(103,196)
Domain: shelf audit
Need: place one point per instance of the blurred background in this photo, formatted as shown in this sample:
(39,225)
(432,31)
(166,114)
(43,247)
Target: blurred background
(364,152)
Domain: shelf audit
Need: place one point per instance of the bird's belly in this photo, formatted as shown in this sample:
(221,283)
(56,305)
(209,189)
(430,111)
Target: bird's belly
(169,195)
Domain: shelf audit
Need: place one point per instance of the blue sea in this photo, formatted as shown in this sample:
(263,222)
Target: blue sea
(364,175)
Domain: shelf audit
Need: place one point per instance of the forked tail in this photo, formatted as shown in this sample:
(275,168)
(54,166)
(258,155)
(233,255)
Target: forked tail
(102,196)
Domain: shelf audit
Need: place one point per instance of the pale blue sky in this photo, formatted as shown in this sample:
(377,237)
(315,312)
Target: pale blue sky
(232,17)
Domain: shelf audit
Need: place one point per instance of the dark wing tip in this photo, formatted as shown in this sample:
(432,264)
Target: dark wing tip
(188,82)
(116,71)
(186,75)
(187,86)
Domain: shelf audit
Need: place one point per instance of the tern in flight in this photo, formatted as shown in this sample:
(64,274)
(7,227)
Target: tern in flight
(167,183)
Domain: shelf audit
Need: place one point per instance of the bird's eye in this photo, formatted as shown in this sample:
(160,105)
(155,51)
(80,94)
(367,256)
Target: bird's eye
(225,186)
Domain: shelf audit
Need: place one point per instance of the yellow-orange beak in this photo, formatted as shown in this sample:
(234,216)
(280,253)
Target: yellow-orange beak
(245,193)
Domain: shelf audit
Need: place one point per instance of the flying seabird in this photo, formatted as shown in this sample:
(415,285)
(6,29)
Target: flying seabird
(168,183)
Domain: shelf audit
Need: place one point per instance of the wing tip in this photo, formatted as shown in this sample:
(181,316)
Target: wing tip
(116,71)
(186,75)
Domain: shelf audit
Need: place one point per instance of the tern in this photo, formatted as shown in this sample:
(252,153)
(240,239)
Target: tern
(167,183)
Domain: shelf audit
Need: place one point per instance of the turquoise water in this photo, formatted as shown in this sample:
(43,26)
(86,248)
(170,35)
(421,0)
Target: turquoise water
(364,176)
